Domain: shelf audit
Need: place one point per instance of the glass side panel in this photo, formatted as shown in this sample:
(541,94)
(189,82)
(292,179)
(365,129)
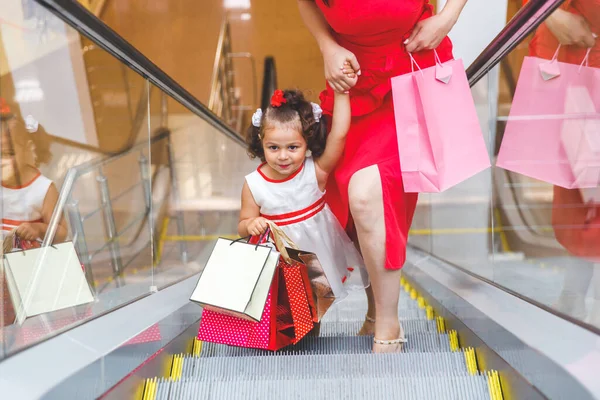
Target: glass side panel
(205,172)
(532,223)
(67,108)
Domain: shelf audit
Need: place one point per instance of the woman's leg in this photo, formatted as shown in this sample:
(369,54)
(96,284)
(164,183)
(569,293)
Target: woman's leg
(368,327)
(366,205)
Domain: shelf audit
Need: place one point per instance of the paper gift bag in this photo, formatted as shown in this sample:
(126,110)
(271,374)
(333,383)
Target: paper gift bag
(289,312)
(322,293)
(553,129)
(236,279)
(440,142)
(287,316)
(45,279)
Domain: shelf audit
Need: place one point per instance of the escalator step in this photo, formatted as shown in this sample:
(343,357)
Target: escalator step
(325,366)
(417,343)
(358,314)
(406,388)
(350,328)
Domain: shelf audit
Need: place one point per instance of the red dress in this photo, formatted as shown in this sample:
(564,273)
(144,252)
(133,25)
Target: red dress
(374,30)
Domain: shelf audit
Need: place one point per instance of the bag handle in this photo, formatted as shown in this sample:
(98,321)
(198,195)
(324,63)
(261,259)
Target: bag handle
(261,239)
(281,238)
(584,62)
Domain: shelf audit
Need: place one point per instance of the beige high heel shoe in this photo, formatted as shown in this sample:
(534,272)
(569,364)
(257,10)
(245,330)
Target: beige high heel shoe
(390,346)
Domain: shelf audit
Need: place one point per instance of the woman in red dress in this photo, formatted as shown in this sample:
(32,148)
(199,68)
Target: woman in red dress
(367,194)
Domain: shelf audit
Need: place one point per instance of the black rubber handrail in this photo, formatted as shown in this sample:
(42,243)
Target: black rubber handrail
(74,14)
(529,17)
(269,82)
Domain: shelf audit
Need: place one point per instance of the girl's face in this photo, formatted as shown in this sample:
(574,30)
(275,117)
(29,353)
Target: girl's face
(17,151)
(284,147)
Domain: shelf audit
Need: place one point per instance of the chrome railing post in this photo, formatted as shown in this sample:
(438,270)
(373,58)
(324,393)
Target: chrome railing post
(76,222)
(176,199)
(110,225)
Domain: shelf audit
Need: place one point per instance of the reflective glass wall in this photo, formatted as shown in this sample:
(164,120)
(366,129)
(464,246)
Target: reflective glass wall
(111,189)
(532,223)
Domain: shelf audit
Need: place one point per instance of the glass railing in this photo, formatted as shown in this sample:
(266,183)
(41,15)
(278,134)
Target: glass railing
(115,181)
(532,226)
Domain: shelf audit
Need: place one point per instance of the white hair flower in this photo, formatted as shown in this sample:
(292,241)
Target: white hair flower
(317,111)
(257,117)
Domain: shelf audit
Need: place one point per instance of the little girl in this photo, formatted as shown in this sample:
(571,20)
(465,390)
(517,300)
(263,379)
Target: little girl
(28,197)
(288,188)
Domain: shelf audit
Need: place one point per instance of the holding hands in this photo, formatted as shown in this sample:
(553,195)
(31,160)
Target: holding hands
(341,68)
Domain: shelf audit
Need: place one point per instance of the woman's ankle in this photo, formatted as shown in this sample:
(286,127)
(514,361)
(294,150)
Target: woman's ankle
(387,329)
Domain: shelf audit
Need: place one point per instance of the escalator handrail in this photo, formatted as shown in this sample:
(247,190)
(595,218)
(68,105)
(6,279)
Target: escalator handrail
(529,17)
(75,15)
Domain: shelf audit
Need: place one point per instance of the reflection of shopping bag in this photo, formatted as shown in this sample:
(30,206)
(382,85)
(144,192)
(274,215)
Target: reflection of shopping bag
(287,317)
(151,334)
(236,279)
(439,137)
(553,130)
(36,329)
(8,311)
(45,279)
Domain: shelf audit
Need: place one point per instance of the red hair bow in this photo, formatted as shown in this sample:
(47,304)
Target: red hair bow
(277,100)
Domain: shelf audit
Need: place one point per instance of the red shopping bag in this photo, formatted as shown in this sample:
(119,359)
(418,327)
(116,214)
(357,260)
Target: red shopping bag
(440,142)
(289,313)
(552,132)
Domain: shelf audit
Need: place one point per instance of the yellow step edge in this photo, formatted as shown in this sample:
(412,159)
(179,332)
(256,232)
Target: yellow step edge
(197,347)
(494,387)
(176,367)
(421,302)
(441,324)
(149,389)
(429,312)
(471,361)
(413,294)
(453,338)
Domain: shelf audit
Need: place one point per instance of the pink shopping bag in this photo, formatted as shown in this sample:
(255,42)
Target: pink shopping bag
(553,129)
(439,137)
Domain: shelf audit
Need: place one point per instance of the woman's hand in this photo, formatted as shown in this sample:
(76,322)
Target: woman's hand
(429,33)
(570,29)
(257,226)
(335,58)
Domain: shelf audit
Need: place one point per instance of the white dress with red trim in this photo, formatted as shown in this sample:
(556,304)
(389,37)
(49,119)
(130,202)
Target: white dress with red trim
(24,203)
(298,206)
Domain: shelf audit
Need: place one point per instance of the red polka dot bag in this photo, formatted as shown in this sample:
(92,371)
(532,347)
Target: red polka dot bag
(289,313)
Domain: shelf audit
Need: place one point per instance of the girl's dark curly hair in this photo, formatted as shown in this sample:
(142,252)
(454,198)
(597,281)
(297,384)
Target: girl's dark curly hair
(296,110)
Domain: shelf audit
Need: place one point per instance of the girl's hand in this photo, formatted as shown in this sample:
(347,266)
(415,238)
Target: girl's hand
(334,58)
(429,33)
(257,226)
(27,231)
(350,73)
(570,29)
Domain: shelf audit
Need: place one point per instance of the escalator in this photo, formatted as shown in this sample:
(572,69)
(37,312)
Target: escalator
(461,343)
(337,364)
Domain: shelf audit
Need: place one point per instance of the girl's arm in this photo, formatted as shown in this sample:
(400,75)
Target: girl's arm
(251,223)
(336,139)
(334,55)
(37,230)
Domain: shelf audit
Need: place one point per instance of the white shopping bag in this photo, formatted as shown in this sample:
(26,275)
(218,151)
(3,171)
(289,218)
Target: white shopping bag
(45,279)
(236,279)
